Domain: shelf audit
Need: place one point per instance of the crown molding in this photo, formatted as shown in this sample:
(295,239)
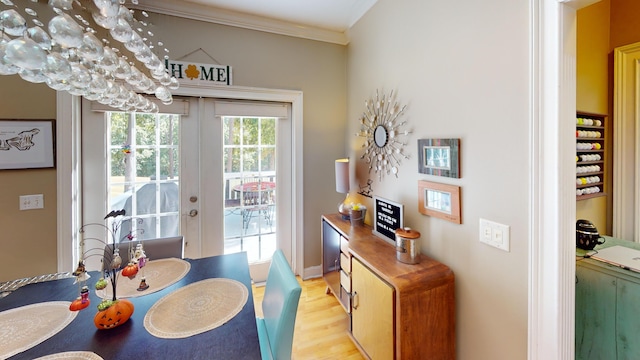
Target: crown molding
(215,15)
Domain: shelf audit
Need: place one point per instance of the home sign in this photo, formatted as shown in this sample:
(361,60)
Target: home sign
(189,73)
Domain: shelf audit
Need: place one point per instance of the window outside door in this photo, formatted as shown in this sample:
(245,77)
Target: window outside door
(249,163)
(144,173)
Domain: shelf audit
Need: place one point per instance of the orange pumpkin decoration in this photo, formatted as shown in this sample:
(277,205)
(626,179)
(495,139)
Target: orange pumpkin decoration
(130,270)
(117,314)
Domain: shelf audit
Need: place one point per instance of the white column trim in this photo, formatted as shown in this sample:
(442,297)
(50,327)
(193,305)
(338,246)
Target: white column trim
(68,179)
(552,194)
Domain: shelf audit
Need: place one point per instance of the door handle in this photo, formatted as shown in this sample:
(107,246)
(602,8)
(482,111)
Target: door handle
(355,300)
(193,212)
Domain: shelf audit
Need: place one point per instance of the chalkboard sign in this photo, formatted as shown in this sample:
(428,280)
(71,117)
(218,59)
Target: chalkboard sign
(387,217)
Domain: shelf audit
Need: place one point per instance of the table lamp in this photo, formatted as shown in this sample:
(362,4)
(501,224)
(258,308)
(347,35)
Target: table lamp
(342,184)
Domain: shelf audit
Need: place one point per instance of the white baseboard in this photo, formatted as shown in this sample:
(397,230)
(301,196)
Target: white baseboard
(312,272)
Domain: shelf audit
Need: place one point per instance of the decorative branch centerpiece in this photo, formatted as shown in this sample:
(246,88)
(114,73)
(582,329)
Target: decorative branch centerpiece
(111,312)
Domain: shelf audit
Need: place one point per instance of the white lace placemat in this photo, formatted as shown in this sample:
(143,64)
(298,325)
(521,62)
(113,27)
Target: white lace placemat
(159,274)
(72,355)
(27,326)
(196,308)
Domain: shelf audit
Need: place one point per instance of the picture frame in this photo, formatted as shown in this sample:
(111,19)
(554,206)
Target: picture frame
(387,217)
(440,157)
(27,144)
(439,200)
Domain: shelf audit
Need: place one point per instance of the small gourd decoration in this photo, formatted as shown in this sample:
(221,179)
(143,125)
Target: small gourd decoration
(130,270)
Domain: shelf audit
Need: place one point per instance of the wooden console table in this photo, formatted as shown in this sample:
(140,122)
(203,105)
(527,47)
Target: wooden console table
(398,310)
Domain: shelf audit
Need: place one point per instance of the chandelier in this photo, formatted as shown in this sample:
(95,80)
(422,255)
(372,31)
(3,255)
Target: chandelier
(91,48)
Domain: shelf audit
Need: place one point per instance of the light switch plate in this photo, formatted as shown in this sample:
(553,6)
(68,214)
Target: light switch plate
(29,202)
(494,234)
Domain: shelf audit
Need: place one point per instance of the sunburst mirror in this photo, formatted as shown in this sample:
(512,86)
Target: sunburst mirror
(381,127)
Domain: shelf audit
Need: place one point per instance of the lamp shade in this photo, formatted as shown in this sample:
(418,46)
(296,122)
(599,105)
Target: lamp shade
(342,176)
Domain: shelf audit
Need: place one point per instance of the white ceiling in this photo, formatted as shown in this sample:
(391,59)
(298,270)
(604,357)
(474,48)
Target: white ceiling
(335,15)
(323,20)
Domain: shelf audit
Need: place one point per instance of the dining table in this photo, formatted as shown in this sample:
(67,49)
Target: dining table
(235,339)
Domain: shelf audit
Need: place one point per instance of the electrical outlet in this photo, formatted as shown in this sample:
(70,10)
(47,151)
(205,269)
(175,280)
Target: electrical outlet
(29,202)
(494,234)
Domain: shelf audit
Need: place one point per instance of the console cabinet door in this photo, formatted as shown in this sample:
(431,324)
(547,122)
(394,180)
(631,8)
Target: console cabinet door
(628,325)
(595,315)
(372,312)
(331,257)
(330,248)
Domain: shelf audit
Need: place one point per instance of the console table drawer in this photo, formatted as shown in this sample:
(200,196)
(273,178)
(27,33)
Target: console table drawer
(344,245)
(345,263)
(345,281)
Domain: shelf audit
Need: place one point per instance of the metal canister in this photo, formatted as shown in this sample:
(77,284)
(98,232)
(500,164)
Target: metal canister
(407,246)
(357,216)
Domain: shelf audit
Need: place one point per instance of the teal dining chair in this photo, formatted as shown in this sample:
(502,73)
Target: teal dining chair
(279,309)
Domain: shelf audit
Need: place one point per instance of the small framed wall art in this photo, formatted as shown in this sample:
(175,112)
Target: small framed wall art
(27,144)
(439,200)
(440,157)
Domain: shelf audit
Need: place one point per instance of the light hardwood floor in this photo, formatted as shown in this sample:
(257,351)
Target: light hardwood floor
(321,324)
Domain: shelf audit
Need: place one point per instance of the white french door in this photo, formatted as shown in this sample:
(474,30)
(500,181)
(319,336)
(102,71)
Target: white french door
(236,170)
(232,166)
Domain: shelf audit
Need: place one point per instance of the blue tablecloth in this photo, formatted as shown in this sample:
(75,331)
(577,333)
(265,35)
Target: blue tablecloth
(237,339)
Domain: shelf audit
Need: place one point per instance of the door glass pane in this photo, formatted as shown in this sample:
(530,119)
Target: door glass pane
(250,186)
(144,173)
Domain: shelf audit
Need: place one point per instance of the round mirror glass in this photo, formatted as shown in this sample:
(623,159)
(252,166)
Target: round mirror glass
(380,136)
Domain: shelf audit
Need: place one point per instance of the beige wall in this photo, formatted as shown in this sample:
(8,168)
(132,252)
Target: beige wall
(462,68)
(28,238)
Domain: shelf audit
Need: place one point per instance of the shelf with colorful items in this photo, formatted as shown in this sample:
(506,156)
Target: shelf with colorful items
(590,160)
(111,312)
